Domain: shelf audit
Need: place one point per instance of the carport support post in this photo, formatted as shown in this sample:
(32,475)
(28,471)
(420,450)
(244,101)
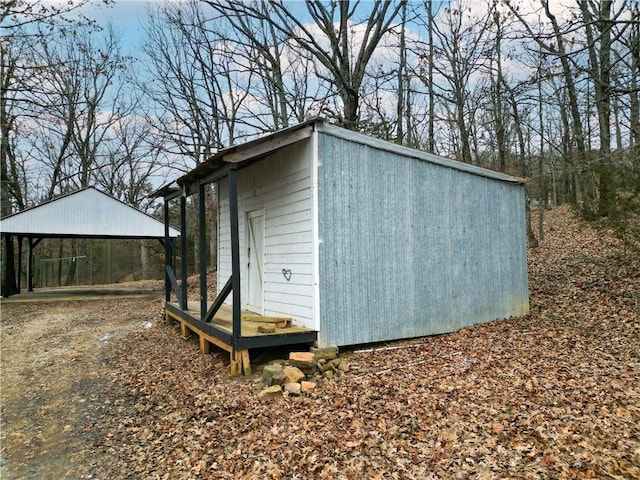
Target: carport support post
(19,282)
(202,239)
(236,332)
(31,244)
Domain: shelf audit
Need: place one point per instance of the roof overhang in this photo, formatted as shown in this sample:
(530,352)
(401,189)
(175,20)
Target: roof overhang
(239,156)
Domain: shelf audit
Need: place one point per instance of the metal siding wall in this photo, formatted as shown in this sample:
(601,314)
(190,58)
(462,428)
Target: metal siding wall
(409,248)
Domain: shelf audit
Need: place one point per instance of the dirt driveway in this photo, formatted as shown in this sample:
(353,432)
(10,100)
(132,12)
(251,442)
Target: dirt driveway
(56,382)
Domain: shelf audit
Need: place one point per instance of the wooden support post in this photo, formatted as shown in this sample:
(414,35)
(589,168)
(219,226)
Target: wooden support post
(183,248)
(202,239)
(236,365)
(236,331)
(31,245)
(167,252)
(240,363)
(185,333)
(205,346)
(19,283)
(240,360)
(246,364)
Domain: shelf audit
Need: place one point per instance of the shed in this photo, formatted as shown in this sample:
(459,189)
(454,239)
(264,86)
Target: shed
(85,213)
(359,240)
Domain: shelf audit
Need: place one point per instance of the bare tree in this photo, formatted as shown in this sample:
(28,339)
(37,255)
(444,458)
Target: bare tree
(194,81)
(424,68)
(553,43)
(632,44)
(81,101)
(264,47)
(460,38)
(129,161)
(599,19)
(332,39)
(16,17)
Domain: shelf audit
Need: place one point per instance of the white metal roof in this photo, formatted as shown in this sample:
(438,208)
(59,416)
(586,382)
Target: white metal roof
(85,213)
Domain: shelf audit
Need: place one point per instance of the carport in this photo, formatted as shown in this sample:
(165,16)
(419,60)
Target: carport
(85,213)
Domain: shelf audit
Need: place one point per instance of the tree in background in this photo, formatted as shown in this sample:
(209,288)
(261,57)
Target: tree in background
(63,105)
(534,89)
(16,19)
(460,38)
(341,45)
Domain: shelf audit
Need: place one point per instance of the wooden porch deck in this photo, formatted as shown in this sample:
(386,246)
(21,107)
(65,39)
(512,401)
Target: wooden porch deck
(251,321)
(255,332)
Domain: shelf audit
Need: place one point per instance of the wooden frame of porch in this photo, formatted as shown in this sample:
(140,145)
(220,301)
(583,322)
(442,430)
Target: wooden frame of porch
(216,322)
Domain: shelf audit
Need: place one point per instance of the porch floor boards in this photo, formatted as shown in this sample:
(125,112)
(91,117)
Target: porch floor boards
(224,319)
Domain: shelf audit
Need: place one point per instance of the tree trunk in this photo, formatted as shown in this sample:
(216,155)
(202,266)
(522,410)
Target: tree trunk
(634,104)
(402,65)
(431,147)
(600,72)
(532,241)
(213,223)
(498,114)
(58,282)
(541,179)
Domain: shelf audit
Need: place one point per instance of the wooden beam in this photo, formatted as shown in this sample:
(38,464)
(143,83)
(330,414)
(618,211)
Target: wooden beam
(240,364)
(19,283)
(202,239)
(183,250)
(280,322)
(236,332)
(174,285)
(224,293)
(32,243)
(167,252)
(267,145)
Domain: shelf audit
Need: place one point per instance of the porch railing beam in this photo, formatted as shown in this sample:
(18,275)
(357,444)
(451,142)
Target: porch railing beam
(224,293)
(171,277)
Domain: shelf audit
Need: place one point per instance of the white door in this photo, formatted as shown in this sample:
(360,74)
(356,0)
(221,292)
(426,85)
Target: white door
(255,253)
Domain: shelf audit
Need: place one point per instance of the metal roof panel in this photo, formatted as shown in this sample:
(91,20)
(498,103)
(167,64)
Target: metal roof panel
(85,213)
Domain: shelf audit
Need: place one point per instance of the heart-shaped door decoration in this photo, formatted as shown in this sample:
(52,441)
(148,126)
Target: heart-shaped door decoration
(287,274)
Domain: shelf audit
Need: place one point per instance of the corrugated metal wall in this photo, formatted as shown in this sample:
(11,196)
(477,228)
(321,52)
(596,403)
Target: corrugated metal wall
(409,248)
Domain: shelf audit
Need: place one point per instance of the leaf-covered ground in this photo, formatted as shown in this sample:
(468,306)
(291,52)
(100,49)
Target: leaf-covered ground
(553,395)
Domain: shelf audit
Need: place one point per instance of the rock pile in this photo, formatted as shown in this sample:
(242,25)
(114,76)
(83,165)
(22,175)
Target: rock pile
(302,372)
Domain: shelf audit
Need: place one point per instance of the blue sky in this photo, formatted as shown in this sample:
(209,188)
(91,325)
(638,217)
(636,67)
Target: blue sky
(128,16)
